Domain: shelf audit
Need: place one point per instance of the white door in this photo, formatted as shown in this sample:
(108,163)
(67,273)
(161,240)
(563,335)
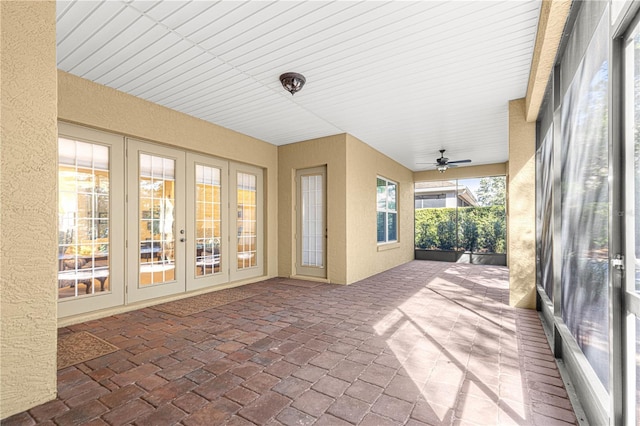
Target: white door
(207,222)
(90,220)
(311,241)
(246,203)
(174,222)
(156,236)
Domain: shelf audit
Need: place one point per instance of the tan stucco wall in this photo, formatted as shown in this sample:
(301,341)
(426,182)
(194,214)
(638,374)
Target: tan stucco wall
(83,102)
(467,172)
(329,151)
(28,205)
(521,233)
(352,167)
(364,256)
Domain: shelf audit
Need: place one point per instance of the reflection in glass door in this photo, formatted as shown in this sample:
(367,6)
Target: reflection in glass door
(83,218)
(207,210)
(89,228)
(156,228)
(246,227)
(156,219)
(311,222)
(246,199)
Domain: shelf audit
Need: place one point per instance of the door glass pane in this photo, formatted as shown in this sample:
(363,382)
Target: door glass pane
(247,220)
(312,219)
(208,221)
(83,219)
(156,218)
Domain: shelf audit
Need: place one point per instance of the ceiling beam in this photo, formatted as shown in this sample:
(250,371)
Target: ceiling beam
(553,17)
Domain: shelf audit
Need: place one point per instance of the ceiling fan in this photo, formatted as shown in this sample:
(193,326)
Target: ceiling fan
(443,163)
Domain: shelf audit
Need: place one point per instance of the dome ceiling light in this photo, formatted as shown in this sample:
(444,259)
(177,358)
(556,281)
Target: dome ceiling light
(292,82)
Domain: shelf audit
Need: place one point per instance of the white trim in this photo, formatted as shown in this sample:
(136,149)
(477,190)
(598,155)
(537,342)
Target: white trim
(386,211)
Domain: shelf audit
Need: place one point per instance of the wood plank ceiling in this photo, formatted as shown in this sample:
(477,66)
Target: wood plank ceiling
(407,78)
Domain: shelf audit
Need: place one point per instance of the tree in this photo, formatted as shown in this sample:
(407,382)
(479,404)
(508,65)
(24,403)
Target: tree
(492,191)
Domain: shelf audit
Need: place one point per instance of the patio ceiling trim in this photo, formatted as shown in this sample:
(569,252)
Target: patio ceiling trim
(553,17)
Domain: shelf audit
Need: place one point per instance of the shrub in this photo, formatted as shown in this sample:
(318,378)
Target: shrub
(479,229)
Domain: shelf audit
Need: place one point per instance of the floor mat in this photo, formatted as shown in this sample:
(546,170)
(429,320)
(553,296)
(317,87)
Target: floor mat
(74,348)
(195,304)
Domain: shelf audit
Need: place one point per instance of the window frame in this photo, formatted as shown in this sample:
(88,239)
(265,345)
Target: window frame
(387,211)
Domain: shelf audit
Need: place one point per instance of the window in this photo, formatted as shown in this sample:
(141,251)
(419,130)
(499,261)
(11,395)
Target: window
(387,210)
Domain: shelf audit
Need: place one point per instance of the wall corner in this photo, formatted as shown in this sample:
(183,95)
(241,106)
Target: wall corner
(521,221)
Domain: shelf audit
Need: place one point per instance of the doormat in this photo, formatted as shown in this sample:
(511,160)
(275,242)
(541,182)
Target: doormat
(202,302)
(74,348)
(300,283)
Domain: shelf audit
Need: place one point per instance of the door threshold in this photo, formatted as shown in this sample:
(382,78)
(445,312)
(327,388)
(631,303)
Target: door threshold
(310,278)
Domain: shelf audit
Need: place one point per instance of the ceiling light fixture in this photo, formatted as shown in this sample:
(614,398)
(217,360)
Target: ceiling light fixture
(292,82)
(442,169)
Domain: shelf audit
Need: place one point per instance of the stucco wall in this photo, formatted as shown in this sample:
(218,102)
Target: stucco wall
(364,256)
(28,206)
(352,167)
(329,151)
(521,233)
(83,102)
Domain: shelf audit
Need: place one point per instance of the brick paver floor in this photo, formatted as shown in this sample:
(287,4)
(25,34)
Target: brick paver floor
(424,343)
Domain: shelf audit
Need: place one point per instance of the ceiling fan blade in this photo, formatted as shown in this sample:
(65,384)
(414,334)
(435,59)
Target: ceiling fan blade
(459,161)
(451,165)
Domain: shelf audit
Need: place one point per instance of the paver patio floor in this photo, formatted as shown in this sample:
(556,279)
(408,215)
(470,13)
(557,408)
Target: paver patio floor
(423,343)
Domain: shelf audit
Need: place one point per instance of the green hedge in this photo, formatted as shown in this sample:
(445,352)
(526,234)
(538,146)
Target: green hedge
(479,229)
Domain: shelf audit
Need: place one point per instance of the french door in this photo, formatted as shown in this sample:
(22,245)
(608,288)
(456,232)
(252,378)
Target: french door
(194,221)
(90,220)
(140,221)
(246,225)
(208,221)
(311,241)
(156,240)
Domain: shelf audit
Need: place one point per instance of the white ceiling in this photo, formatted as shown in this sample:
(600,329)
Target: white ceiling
(408,78)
